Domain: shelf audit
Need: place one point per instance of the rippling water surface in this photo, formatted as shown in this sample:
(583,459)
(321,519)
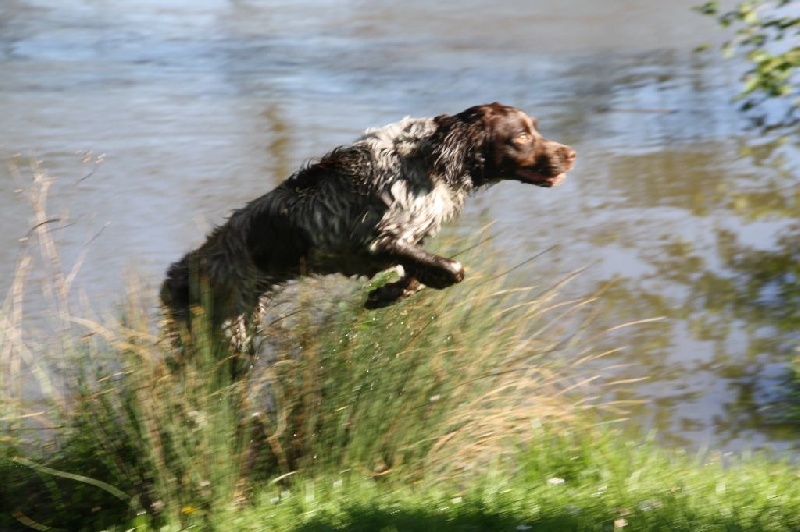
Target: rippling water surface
(194,107)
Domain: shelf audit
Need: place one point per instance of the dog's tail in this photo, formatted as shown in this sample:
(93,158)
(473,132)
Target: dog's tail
(175,291)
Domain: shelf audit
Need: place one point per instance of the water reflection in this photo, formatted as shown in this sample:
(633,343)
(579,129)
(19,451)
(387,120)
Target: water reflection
(199,106)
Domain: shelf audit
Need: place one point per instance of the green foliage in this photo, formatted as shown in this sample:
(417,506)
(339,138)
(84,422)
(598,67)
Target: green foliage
(767,35)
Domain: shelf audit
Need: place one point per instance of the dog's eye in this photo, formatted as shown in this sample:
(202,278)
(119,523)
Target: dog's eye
(522,137)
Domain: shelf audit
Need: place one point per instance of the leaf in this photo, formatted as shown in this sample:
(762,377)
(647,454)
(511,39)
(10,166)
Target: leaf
(750,83)
(709,8)
(751,18)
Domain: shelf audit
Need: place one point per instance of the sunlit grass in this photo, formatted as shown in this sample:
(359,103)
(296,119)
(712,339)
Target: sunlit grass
(584,480)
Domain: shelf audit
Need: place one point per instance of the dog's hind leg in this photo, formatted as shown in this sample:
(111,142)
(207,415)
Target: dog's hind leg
(391,293)
(243,334)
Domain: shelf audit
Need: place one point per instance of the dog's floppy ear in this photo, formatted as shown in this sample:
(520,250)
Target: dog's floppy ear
(478,115)
(484,114)
(460,144)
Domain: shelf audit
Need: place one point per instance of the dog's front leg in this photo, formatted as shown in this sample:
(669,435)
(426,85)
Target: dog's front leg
(419,266)
(428,268)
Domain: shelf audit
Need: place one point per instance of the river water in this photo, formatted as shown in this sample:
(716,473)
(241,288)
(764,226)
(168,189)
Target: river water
(193,107)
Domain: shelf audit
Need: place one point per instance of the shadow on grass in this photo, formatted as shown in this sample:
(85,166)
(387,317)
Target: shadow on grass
(477,518)
(468,515)
(474,518)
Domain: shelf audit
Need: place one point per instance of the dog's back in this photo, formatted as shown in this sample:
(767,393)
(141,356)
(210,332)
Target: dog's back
(321,220)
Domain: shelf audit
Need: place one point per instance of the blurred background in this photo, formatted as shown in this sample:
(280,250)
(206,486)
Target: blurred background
(160,117)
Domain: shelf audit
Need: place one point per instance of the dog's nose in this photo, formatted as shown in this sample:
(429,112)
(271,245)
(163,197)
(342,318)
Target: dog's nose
(568,156)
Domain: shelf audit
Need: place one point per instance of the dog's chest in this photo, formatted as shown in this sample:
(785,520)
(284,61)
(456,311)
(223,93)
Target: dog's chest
(417,211)
(416,202)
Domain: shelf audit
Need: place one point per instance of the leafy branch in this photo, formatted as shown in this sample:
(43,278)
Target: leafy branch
(767,35)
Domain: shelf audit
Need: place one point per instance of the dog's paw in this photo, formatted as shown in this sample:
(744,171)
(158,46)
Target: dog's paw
(448,273)
(391,293)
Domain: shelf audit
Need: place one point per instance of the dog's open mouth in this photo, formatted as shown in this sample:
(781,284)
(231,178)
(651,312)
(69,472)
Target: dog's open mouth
(535,178)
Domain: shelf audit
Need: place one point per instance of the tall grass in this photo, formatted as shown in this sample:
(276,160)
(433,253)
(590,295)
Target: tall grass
(437,387)
(440,382)
(116,432)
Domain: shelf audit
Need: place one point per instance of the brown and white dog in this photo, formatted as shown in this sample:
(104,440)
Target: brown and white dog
(364,208)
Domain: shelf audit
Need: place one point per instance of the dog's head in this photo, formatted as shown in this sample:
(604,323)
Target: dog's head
(513,148)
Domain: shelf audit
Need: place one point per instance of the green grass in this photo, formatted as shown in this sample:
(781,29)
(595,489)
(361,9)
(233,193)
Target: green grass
(591,480)
(452,410)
